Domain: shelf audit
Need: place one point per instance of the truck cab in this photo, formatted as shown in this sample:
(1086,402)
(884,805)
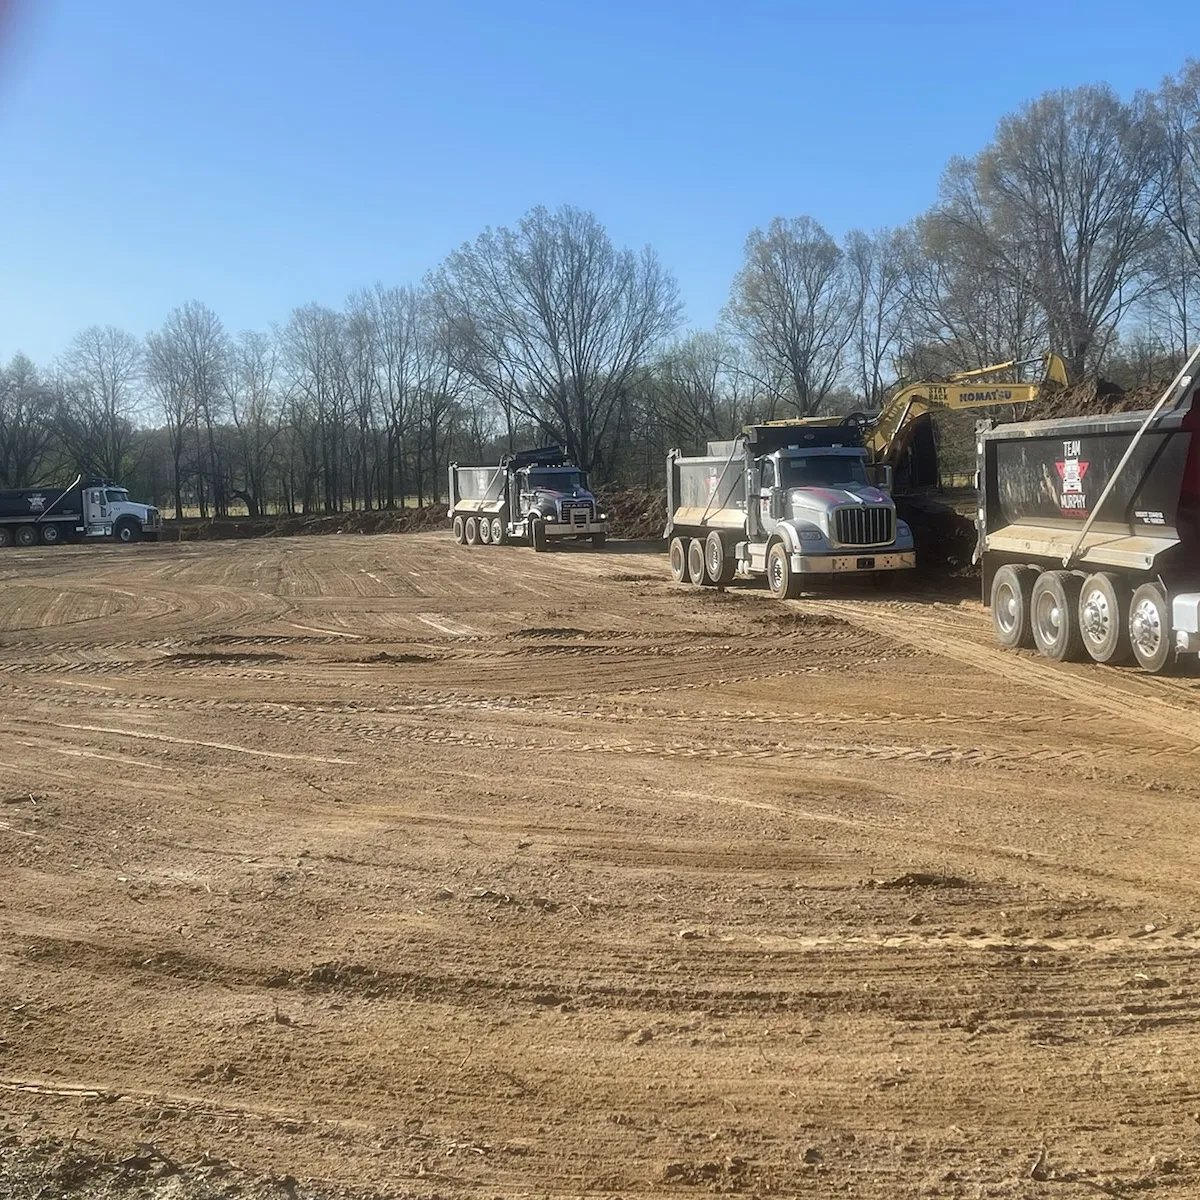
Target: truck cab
(109,512)
(822,500)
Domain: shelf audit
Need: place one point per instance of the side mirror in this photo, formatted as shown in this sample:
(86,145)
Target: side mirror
(775,505)
(880,474)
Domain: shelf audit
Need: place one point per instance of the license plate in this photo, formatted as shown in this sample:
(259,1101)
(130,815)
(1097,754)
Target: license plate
(866,564)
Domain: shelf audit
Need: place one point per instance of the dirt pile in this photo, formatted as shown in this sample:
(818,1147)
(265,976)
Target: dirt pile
(381,520)
(636,512)
(1093,395)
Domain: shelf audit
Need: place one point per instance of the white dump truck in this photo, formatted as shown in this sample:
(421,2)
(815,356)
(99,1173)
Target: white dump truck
(785,500)
(536,496)
(83,510)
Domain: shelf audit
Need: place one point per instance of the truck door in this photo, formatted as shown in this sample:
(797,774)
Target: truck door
(766,489)
(95,508)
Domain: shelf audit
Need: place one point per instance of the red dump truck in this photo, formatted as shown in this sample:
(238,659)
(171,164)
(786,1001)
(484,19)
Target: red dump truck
(1089,532)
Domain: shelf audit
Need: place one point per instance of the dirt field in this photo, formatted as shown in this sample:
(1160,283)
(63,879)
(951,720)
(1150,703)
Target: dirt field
(393,867)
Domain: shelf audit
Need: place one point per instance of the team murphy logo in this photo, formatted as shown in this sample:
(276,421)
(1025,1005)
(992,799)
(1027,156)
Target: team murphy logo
(37,503)
(1072,471)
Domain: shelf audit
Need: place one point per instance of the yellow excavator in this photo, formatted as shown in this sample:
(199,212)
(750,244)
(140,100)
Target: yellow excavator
(900,436)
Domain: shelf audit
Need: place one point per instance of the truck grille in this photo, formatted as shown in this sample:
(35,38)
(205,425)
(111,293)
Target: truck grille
(577,512)
(865,526)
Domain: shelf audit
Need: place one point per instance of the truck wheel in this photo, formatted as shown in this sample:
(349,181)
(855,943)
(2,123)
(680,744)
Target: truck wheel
(537,535)
(471,531)
(485,531)
(1054,615)
(717,564)
(1011,591)
(127,532)
(1150,630)
(26,535)
(1104,618)
(51,534)
(5,536)
(599,540)
(499,537)
(459,533)
(781,579)
(695,562)
(677,552)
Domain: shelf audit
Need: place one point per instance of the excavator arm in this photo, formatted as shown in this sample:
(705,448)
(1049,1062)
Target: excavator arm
(888,434)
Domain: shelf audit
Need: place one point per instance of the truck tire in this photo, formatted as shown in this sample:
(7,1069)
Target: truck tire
(1104,618)
(127,532)
(1054,615)
(1012,588)
(781,579)
(485,531)
(459,533)
(717,564)
(599,540)
(1150,630)
(677,552)
(537,535)
(695,562)
(52,534)
(471,531)
(6,538)
(26,535)
(499,533)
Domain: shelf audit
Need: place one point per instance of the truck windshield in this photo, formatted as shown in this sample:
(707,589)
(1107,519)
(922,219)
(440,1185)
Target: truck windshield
(116,497)
(556,481)
(822,470)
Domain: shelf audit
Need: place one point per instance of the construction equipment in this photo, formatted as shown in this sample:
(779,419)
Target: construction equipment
(83,510)
(536,496)
(900,436)
(785,500)
(1089,531)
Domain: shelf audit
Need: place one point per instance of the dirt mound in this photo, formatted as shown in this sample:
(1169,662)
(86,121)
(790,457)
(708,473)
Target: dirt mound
(636,512)
(1093,395)
(376,520)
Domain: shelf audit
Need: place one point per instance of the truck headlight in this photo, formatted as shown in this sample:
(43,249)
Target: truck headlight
(811,535)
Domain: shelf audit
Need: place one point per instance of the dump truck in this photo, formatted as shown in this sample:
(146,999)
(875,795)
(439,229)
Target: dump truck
(1089,532)
(536,496)
(84,510)
(785,500)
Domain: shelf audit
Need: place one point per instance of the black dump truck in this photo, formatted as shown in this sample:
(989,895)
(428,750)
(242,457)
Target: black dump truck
(536,496)
(1089,532)
(85,510)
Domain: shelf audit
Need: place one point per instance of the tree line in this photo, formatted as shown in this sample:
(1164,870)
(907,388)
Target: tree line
(1076,229)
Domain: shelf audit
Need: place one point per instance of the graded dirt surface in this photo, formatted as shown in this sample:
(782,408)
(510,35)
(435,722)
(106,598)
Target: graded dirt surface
(383,866)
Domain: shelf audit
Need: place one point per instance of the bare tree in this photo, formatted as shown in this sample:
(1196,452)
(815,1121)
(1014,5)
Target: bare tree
(1178,111)
(254,411)
(1064,200)
(26,422)
(792,304)
(552,322)
(964,310)
(99,399)
(877,268)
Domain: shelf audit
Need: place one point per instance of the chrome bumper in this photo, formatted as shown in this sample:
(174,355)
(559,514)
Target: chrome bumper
(839,564)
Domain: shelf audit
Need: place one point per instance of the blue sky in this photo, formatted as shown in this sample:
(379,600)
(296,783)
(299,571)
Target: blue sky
(257,155)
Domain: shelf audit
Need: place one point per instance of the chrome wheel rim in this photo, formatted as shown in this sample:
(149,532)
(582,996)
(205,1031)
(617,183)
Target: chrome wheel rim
(776,573)
(1145,628)
(1096,618)
(1008,608)
(1048,618)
